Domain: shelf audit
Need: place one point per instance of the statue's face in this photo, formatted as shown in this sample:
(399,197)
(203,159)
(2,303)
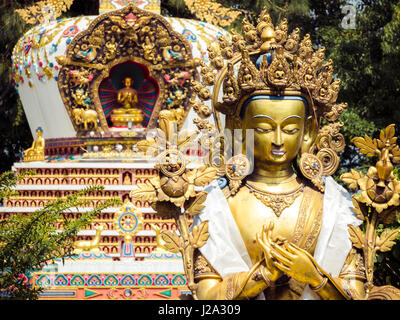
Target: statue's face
(278,129)
(128,82)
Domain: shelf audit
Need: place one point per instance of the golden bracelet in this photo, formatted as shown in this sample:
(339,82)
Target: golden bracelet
(265,277)
(320,286)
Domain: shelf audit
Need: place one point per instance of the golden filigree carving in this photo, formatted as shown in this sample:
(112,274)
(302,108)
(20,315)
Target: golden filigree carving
(277,202)
(377,203)
(212,12)
(173,195)
(128,34)
(37,14)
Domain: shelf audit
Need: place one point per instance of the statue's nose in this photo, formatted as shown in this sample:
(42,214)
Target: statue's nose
(277,141)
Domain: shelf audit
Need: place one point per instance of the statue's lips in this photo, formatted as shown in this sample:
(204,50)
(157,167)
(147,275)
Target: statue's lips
(278,152)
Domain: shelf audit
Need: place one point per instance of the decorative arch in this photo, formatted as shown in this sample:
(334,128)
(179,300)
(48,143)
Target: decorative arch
(129,36)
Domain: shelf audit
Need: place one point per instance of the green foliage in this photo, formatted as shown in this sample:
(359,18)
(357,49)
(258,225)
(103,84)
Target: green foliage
(28,242)
(14,129)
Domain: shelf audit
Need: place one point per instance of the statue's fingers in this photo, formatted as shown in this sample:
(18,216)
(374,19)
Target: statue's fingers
(281,267)
(283,252)
(280,239)
(260,242)
(281,259)
(264,236)
(296,250)
(269,231)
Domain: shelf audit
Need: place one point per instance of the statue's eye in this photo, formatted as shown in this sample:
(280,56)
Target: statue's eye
(290,130)
(263,130)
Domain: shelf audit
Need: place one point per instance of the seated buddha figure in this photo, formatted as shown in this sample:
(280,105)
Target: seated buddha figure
(129,112)
(36,152)
(279,234)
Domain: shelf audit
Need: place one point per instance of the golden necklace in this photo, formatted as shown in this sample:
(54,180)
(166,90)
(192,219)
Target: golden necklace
(277,202)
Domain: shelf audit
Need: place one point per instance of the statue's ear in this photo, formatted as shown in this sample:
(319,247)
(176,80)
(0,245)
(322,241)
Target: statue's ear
(310,133)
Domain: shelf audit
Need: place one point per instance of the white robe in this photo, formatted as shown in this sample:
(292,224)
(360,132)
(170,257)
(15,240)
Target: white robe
(227,253)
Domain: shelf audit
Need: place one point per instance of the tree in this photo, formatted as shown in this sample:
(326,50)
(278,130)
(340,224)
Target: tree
(29,242)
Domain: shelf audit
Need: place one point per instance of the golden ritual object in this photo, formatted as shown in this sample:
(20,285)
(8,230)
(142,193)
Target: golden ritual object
(36,152)
(128,221)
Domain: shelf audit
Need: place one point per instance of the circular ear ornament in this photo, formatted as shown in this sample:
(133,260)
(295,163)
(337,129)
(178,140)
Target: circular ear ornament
(312,168)
(329,160)
(237,167)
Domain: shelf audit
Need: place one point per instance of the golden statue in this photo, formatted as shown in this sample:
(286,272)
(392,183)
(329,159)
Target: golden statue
(275,225)
(36,152)
(272,236)
(89,245)
(129,112)
(160,243)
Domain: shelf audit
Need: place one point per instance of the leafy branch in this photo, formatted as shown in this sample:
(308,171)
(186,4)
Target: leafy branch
(29,242)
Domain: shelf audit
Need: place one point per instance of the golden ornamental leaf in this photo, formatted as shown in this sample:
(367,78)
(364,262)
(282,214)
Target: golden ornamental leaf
(145,192)
(194,205)
(199,235)
(396,154)
(165,209)
(172,242)
(367,146)
(390,131)
(387,239)
(357,210)
(351,178)
(204,175)
(356,236)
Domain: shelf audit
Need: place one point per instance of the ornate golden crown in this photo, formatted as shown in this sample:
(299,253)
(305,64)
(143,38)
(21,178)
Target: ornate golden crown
(266,60)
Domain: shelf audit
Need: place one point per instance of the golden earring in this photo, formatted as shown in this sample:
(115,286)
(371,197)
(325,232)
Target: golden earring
(312,168)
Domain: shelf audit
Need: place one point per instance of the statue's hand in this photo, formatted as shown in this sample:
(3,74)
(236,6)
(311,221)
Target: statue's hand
(264,239)
(296,263)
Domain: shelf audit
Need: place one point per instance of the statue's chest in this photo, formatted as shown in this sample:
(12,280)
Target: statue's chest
(294,223)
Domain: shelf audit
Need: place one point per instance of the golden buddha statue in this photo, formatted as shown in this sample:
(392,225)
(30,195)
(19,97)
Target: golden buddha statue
(275,224)
(36,152)
(129,112)
(278,231)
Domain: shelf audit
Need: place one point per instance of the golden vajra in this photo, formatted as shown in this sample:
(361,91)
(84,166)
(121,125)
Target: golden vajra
(377,202)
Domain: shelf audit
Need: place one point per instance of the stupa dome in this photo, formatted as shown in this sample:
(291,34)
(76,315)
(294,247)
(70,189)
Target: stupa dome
(49,104)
